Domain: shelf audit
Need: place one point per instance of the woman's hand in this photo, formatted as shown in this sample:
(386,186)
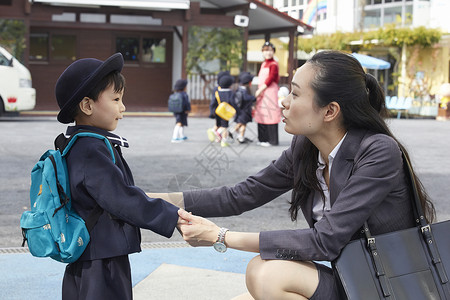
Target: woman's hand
(197,231)
(260,90)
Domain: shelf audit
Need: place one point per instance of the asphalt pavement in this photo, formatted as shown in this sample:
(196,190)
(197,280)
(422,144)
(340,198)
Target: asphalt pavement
(169,268)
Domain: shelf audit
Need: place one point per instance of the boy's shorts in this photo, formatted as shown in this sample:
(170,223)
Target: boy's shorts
(108,278)
(221,122)
(181,118)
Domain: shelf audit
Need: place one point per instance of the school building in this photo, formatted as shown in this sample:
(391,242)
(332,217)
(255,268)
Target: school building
(152,35)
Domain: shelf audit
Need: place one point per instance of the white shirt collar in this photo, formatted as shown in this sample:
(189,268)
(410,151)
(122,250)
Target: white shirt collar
(331,156)
(322,205)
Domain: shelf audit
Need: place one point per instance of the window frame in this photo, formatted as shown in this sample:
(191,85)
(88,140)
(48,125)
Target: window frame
(141,36)
(50,54)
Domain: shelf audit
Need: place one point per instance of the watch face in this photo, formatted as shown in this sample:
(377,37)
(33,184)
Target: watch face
(220,247)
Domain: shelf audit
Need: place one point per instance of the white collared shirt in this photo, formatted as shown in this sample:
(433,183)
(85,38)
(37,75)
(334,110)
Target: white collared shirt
(319,205)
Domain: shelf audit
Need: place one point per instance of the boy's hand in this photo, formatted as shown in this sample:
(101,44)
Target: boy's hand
(197,231)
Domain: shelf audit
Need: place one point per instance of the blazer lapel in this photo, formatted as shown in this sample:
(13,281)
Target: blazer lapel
(343,162)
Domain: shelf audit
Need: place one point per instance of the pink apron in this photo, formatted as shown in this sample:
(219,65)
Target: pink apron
(266,108)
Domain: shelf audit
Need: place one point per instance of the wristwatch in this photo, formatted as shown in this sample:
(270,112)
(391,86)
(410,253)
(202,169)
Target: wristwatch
(219,245)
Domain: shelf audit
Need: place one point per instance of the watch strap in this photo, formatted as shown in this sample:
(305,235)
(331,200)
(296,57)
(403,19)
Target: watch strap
(221,235)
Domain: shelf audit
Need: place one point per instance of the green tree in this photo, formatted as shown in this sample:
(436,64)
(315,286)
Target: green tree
(396,39)
(389,36)
(207,44)
(12,36)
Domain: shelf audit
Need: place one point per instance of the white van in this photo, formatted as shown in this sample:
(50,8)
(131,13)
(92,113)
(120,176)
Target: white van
(16,93)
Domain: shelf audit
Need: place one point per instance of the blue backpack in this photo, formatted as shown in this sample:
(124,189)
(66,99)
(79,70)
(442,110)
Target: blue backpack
(52,228)
(175,103)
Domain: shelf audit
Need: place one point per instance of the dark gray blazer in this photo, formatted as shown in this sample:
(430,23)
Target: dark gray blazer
(376,190)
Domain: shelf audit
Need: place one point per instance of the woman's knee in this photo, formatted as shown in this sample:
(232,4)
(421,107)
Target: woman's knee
(270,279)
(261,279)
(253,275)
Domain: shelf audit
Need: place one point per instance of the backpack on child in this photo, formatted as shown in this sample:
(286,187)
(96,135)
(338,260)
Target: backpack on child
(238,97)
(52,228)
(175,103)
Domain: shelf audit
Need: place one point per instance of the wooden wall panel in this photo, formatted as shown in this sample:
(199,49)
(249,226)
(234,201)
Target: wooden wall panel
(148,85)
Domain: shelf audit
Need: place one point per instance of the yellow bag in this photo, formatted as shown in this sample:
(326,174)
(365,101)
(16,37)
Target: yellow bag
(224,109)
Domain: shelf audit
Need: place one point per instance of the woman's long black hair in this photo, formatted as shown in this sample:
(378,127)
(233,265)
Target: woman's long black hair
(340,78)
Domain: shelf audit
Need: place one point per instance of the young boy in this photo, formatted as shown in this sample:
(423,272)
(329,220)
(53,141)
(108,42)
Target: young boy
(212,133)
(181,118)
(225,94)
(90,93)
(244,106)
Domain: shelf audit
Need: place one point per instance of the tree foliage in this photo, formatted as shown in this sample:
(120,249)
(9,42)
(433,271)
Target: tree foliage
(389,36)
(420,36)
(12,36)
(207,44)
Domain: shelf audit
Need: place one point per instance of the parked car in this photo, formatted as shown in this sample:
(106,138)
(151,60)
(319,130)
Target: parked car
(16,91)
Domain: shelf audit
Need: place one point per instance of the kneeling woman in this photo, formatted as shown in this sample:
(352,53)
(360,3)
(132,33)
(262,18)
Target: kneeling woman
(344,167)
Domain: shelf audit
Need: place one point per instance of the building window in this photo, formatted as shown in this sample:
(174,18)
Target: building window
(372,19)
(64,17)
(134,20)
(393,15)
(92,18)
(408,14)
(48,46)
(154,50)
(39,46)
(137,49)
(300,14)
(129,47)
(64,47)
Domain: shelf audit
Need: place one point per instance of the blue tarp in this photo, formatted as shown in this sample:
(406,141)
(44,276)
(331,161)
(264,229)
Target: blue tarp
(370,62)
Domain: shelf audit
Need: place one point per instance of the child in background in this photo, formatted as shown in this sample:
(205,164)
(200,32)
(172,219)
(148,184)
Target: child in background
(213,135)
(181,118)
(90,92)
(226,95)
(243,102)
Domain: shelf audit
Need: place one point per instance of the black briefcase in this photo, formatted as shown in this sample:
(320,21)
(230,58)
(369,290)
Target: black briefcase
(411,264)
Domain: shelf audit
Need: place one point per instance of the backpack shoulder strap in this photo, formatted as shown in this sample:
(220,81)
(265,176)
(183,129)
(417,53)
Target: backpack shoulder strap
(63,144)
(217,97)
(60,141)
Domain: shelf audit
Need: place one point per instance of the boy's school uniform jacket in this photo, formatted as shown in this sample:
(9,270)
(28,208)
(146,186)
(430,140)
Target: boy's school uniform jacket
(95,179)
(244,112)
(213,103)
(186,104)
(182,116)
(225,95)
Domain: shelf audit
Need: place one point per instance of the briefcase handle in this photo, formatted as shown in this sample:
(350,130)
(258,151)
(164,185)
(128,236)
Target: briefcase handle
(424,228)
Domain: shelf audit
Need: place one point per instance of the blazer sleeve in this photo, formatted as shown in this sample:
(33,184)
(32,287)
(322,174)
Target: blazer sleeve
(213,103)
(376,171)
(256,190)
(186,102)
(105,182)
